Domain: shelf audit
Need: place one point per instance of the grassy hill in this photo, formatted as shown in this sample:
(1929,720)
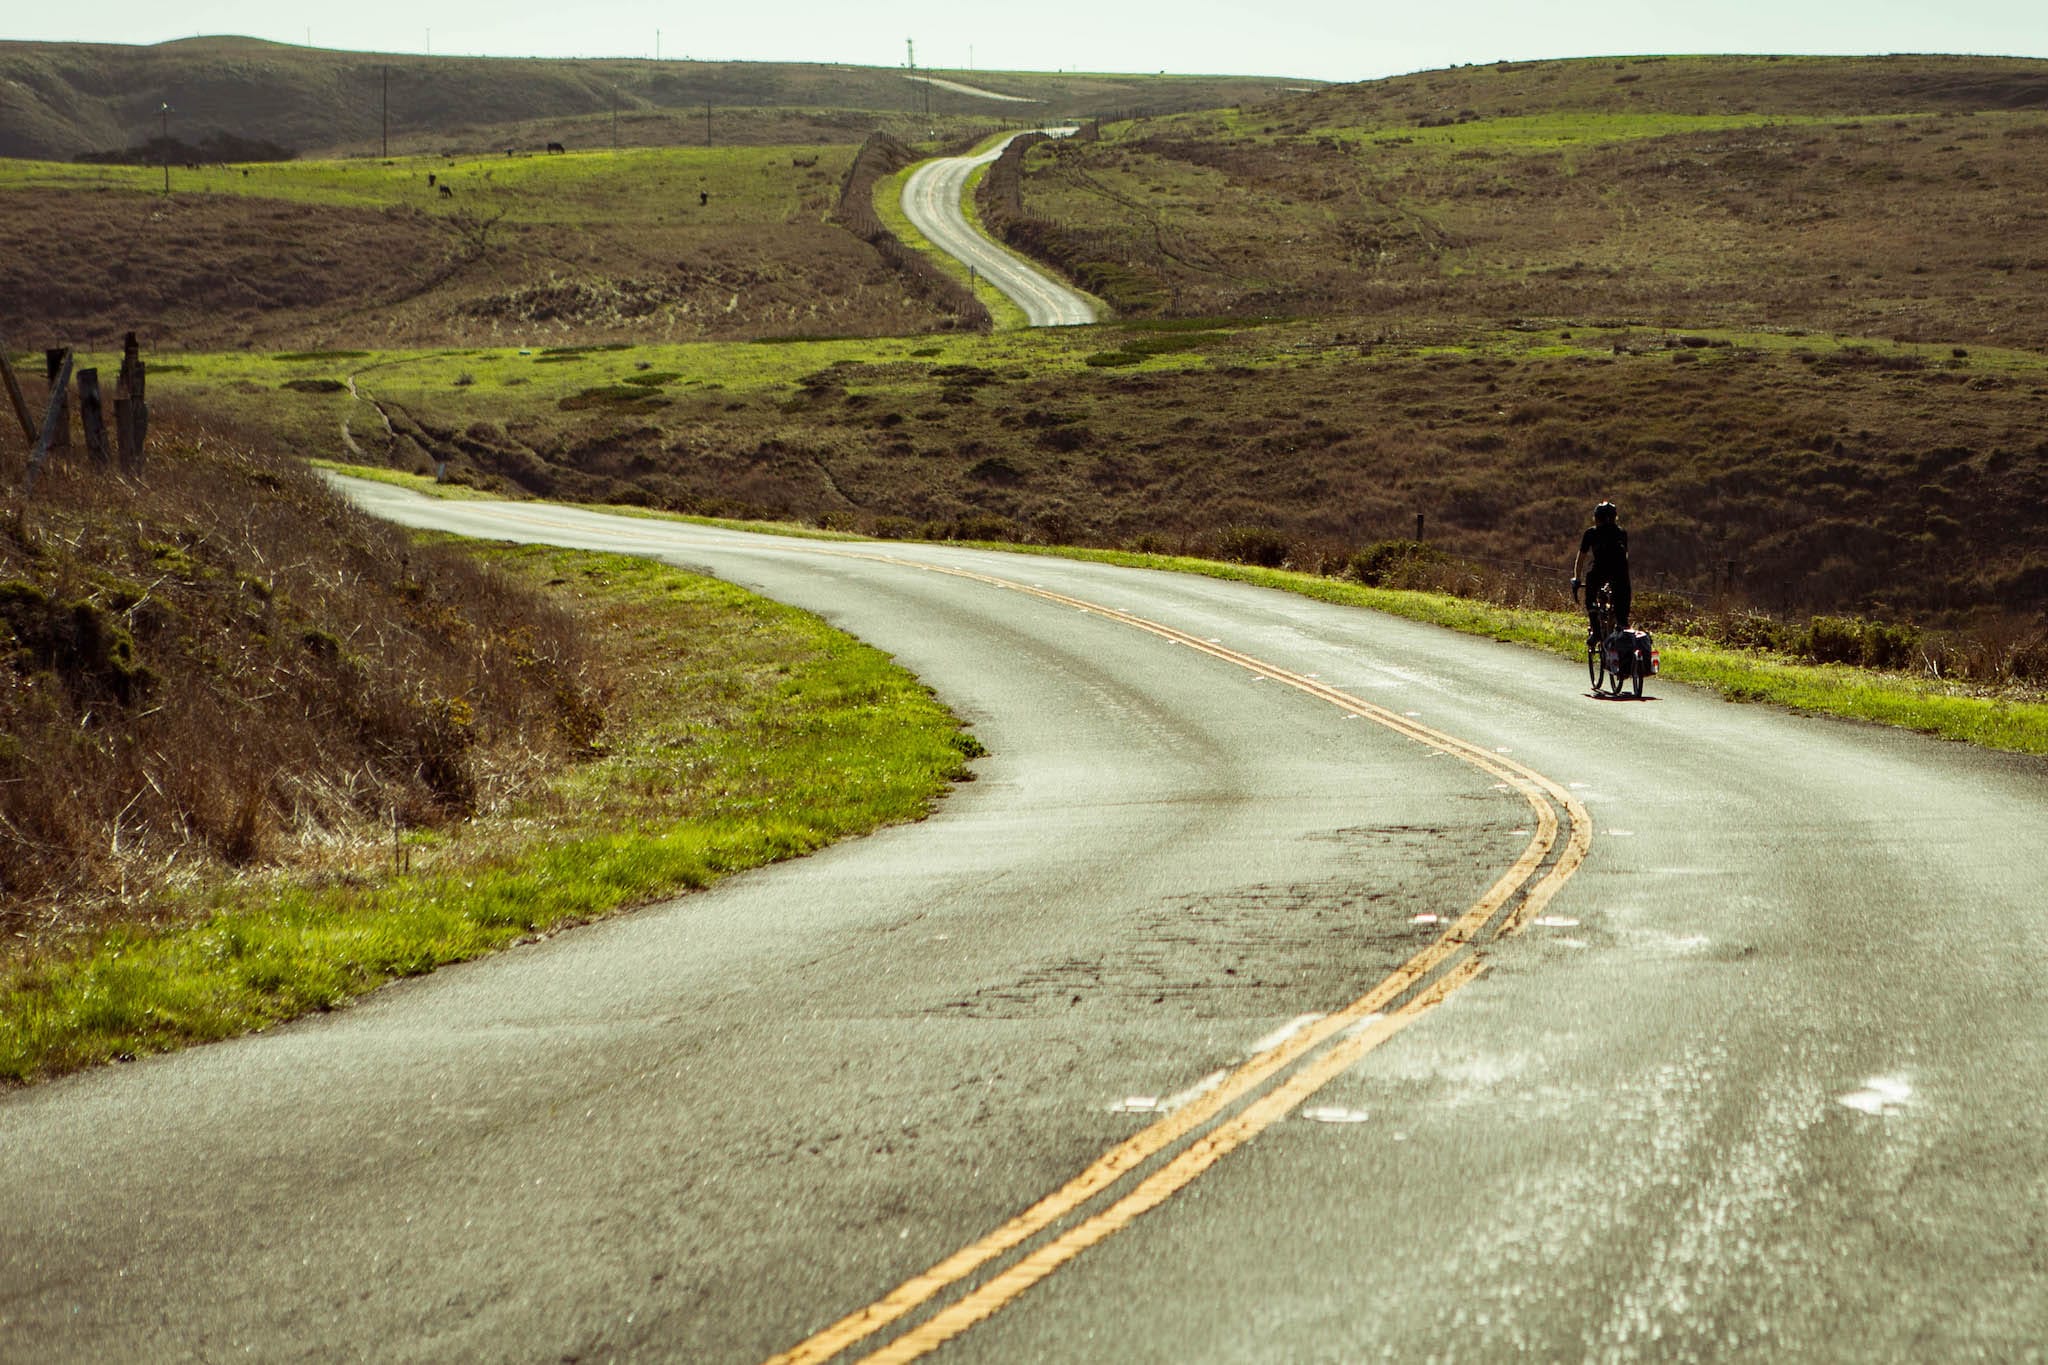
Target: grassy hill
(60,99)
(1885,197)
(644,243)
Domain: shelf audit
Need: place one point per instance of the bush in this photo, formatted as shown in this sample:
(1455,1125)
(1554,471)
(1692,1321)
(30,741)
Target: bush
(1663,611)
(1257,545)
(1873,644)
(1384,560)
(1751,630)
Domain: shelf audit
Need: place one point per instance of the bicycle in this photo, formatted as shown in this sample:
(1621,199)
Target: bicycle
(1597,670)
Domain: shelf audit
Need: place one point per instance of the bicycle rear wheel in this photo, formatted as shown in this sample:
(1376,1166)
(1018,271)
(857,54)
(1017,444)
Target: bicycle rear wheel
(1618,679)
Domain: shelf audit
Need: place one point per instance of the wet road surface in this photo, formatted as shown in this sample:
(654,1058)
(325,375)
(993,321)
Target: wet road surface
(1763,1077)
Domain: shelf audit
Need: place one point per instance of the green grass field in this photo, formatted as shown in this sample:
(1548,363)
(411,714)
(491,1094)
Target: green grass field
(582,187)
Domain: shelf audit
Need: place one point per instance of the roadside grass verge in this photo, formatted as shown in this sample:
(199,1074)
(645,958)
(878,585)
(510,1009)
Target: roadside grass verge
(743,732)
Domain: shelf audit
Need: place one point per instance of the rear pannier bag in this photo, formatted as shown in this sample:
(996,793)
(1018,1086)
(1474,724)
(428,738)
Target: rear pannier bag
(1639,642)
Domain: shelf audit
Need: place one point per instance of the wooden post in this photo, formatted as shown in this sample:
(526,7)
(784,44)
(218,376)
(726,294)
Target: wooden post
(91,416)
(50,420)
(131,410)
(57,438)
(28,423)
(1418,526)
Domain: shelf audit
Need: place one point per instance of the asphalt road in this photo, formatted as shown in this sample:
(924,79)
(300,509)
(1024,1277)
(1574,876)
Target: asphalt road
(1763,1078)
(931,199)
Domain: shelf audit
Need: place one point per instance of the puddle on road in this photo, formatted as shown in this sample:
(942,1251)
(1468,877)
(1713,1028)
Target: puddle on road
(1136,1104)
(1334,1113)
(1880,1096)
(1283,1033)
(1661,941)
(1554,922)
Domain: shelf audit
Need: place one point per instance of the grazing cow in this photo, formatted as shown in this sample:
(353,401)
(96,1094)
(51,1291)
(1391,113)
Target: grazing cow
(447,193)
(430,180)
(703,198)
(556,147)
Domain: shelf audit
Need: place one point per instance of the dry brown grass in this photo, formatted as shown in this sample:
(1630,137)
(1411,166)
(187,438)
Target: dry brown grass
(1906,211)
(1833,478)
(209,271)
(225,665)
(60,99)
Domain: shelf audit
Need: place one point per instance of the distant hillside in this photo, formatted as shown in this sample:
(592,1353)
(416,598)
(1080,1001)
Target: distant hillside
(58,100)
(1870,196)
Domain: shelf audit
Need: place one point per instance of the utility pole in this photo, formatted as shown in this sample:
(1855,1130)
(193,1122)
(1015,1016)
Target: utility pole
(163,114)
(910,51)
(385,116)
(707,123)
(615,118)
(657,45)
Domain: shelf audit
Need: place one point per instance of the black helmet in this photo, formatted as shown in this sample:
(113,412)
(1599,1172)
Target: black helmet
(1605,513)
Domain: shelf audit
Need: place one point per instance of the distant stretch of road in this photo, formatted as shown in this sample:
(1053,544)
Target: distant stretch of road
(1249,1006)
(931,198)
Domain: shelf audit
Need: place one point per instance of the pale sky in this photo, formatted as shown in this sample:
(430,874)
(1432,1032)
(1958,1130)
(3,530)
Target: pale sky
(1323,39)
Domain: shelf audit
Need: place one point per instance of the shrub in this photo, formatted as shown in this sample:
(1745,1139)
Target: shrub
(1259,545)
(997,470)
(1066,439)
(1385,560)
(1846,640)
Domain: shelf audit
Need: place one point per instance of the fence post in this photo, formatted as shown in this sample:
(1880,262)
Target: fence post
(1418,526)
(28,423)
(50,421)
(131,410)
(57,437)
(91,415)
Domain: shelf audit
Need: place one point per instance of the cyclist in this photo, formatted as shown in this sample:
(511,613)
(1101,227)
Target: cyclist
(1607,544)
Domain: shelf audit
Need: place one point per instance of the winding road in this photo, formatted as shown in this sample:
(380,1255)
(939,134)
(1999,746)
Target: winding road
(931,200)
(1294,983)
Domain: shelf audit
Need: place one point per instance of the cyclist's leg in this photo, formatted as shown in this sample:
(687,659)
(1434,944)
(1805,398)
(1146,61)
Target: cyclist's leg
(1621,601)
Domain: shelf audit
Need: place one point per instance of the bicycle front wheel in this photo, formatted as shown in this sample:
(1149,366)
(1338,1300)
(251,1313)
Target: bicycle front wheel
(1593,669)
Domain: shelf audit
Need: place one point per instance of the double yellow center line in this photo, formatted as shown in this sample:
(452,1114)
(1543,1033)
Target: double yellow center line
(1350,1033)
(1263,1089)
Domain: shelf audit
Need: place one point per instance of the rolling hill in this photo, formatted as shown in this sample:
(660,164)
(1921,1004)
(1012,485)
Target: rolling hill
(58,100)
(1789,312)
